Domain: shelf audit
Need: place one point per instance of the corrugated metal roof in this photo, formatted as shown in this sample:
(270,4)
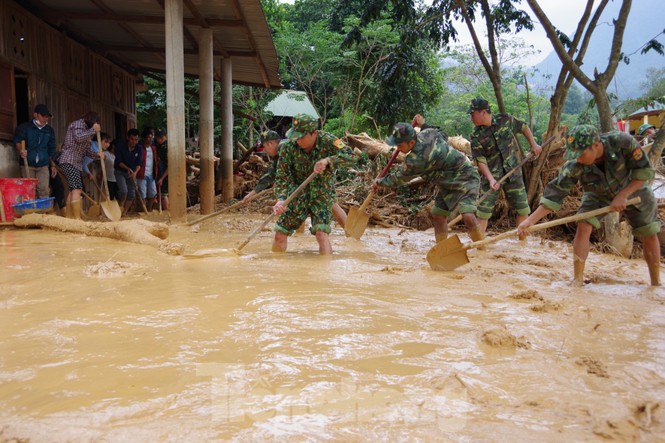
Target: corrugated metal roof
(132,34)
(290,103)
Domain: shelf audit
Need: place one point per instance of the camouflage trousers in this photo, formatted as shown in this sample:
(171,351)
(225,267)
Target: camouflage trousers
(314,202)
(457,191)
(643,217)
(515,193)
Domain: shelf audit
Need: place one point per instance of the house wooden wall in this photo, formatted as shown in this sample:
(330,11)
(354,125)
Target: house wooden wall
(68,77)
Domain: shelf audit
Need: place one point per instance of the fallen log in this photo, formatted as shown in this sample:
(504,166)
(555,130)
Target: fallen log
(133,231)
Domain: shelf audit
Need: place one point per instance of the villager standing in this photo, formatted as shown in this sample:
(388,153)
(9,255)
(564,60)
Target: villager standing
(128,159)
(38,139)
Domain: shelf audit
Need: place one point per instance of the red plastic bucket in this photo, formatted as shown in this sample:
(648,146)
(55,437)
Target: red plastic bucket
(16,190)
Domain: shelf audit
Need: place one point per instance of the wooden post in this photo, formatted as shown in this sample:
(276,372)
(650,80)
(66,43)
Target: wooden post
(175,107)
(206,123)
(226,164)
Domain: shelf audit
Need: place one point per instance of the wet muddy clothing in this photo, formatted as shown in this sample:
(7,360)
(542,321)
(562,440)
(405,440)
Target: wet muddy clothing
(497,147)
(316,200)
(435,161)
(624,161)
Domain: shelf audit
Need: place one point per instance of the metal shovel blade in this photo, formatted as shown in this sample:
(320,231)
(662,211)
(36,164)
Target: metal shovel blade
(447,255)
(111,210)
(356,223)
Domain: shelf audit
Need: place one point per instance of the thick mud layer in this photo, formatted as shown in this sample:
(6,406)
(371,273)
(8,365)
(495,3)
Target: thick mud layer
(107,340)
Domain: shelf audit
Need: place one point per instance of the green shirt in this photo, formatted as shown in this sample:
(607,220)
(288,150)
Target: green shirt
(295,164)
(496,145)
(624,161)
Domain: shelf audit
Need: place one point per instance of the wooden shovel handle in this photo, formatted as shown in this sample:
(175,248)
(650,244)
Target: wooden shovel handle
(549,224)
(290,198)
(381,175)
(105,185)
(228,208)
(483,197)
(25,160)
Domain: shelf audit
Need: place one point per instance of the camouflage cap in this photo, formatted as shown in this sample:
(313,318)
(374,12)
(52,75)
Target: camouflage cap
(579,139)
(267,136)
(402,132)
(478,104)
(643,128)
(303,124)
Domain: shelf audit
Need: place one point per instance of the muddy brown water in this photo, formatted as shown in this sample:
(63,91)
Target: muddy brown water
(111,342)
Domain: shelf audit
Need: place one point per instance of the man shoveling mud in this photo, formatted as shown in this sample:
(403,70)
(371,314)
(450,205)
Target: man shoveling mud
(307,150)
(611,168)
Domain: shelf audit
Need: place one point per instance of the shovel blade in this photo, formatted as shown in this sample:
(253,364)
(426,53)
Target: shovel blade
(111,210)
(447,255)
(356,223)
(93,211)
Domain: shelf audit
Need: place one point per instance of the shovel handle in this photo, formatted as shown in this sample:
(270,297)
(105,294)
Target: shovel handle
(25,160)
(549,224)
(381,175)
(290,198)
(228,208)
(105,185)
(483,197)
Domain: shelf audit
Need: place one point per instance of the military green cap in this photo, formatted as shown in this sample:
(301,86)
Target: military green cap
(402,132)
(478,104)
(579,139)
(303,124)
(643,128)
(266,136)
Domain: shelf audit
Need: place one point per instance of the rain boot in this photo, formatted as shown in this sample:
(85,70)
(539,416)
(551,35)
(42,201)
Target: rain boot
(67,211)
(76,209)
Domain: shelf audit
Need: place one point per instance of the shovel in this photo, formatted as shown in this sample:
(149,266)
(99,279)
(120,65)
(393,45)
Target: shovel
(293,195)
(482,198)
(138,195)
(110,207)
(450,253)
(233,206)
(93,211)
(357,220)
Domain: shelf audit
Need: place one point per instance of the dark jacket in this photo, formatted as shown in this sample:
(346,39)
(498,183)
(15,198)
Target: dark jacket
(40,143)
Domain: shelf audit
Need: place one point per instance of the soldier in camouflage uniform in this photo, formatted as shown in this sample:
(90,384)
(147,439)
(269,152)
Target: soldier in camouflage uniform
(430,157)
(496,151)
(307,150)
(611,168)
(270,141)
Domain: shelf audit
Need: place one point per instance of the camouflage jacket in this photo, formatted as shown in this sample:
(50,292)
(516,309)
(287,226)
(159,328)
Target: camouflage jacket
(497,146)
(624,161)
(295,164)
(431,158)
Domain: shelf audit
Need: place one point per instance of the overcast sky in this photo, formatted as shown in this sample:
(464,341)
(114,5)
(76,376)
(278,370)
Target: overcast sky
(564,14)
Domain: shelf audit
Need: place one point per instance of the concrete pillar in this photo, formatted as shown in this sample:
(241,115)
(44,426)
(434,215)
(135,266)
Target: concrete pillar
(206,122)
(226,165)
(175,108)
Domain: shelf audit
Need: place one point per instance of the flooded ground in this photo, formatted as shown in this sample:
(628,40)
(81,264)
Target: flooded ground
(109,341)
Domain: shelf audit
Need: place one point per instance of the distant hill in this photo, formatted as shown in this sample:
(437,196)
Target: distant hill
(644,22)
